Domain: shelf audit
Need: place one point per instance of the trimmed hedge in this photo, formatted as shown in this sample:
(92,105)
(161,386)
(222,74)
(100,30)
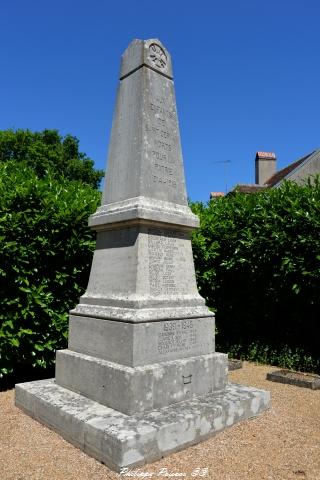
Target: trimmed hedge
(257,260)
(45,256)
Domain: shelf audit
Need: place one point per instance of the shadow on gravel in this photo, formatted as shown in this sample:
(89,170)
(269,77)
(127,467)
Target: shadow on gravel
(25,374)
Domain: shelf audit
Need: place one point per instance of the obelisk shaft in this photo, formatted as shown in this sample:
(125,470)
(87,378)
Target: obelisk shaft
(145,156)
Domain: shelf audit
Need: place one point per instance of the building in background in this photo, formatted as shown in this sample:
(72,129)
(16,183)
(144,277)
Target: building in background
(266,175)
(214,195)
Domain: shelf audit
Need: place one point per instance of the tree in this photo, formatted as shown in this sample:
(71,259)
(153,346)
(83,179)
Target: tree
(48,152)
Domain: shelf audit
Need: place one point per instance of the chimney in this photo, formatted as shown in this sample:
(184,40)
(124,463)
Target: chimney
(266,164)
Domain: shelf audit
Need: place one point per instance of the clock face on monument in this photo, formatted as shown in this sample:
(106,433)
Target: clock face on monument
(157,56)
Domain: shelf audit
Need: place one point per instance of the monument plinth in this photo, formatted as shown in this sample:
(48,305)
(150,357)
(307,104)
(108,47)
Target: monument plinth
(141,377)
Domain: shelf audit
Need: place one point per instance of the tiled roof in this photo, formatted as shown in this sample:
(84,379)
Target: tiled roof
(281,174)
(249,188)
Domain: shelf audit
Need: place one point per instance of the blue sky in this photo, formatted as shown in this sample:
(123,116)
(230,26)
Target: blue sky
(247,76)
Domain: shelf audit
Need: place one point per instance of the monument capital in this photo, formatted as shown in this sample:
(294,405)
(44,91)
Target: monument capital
(149,53)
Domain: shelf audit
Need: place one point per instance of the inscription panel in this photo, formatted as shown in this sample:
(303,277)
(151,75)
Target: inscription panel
(164,261)
(163,134)
(177,336)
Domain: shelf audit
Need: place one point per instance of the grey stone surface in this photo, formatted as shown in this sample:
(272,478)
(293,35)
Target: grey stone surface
(145,157)
(142,268)
(141,274)
(142,211)
(142,343)
(138,389)
(234,364)
(299,379)
(119,440)
(150,53)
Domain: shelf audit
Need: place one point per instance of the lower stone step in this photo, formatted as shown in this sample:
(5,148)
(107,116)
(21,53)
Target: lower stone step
(119,440)
(137,389)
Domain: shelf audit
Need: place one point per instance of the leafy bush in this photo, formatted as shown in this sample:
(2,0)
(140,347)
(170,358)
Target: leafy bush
(48,152)
(257,260)
(281,355)
(45,256)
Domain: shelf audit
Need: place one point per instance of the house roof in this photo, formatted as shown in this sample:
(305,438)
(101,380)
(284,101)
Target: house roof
(244,188)
(275,179)
(282,174)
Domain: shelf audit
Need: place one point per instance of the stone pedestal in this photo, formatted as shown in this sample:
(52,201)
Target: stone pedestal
(141,377)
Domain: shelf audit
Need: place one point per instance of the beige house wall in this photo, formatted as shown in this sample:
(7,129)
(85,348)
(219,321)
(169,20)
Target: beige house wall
(302,173)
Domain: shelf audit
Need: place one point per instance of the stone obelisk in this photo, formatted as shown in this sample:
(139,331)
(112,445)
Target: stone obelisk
(141,377)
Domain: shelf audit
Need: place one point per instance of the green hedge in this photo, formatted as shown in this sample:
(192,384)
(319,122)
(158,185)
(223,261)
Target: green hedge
(45,256)
(257,260)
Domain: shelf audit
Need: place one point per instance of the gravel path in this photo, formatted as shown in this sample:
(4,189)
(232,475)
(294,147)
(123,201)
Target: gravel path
(281,444)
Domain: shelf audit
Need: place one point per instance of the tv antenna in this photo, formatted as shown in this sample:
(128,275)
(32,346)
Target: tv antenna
(226,171)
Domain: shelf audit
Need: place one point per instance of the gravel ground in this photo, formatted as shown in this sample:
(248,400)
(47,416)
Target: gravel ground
(283,443)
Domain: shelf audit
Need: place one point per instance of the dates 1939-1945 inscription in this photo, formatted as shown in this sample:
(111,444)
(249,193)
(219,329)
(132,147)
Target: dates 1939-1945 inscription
(177,337)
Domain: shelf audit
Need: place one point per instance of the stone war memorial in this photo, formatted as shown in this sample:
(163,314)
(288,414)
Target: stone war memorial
(141,377)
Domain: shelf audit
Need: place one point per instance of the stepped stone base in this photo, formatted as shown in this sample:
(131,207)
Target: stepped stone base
(119,440)
(132,390)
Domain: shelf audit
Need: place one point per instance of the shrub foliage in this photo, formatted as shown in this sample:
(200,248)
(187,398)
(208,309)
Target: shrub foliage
(257,260)
(45,255)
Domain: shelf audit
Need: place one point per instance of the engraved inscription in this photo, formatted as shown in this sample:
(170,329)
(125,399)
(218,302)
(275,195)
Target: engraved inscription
(177,336)
(160,100)
(163,169)
(161,122)
(164,181)
(157,131)
(159,156)
(161,110)
(163,145)
(163,255)
(164,139)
